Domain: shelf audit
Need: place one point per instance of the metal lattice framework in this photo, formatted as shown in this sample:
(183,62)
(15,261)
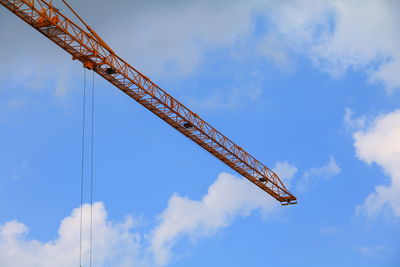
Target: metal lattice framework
(98,56)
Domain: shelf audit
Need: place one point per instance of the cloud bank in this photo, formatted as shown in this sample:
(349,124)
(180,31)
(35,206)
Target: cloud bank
(120,244)
(338,36)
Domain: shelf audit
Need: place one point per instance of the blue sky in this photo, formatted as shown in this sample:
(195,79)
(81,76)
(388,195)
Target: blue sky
(309,88)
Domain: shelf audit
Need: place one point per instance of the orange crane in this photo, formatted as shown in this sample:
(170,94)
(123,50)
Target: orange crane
(97,56)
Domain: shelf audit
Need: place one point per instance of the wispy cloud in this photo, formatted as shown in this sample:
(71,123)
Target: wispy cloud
(329,230)
(310,177)
(353,124)
(226,99)
(373,251)
(21,170)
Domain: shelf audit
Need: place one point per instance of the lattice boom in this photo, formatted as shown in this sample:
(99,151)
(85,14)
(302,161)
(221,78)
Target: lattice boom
(97,56)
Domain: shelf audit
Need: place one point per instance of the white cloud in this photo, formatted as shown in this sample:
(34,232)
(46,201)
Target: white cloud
(380,144)
(114,243)
(341,35)
(326,171)
(227,198)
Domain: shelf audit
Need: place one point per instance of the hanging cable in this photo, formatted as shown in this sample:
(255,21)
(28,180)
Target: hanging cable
(91,175)
(82,164)
(83,170)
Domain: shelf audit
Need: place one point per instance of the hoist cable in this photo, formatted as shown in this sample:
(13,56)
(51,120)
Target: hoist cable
(91,174)
(82,164)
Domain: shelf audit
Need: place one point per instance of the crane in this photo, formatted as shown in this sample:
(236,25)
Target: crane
(96,55)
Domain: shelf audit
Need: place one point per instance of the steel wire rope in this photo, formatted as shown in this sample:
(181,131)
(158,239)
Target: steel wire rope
(91,173)
(82,165)
(83,170)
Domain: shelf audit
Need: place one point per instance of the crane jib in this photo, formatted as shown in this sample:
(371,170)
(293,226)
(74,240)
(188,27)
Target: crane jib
(96,55)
